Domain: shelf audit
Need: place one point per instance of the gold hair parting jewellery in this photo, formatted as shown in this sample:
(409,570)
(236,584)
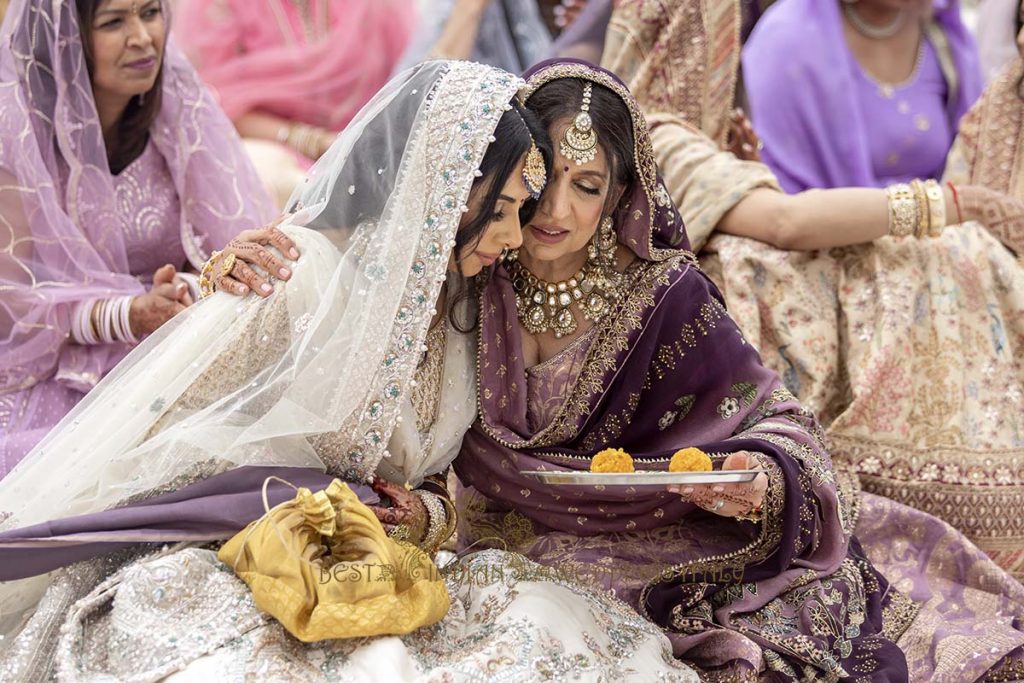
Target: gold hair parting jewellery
(535,174)
(579,142)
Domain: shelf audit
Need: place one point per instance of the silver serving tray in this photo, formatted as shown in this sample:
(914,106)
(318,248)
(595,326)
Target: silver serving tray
(641,478)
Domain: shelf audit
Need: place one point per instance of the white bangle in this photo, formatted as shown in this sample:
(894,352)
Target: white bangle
(103,321)
(81,323)
(124,327)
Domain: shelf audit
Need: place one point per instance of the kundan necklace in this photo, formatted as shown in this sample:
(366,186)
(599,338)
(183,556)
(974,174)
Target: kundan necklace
(593,290)
(870,30)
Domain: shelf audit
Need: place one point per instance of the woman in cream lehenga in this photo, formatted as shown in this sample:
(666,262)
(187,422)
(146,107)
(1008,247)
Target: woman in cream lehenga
(356,365)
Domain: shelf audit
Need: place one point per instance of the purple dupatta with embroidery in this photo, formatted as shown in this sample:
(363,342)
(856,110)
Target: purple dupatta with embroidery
(666,370)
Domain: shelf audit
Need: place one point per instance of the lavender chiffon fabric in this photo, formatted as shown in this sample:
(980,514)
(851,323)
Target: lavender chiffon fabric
(214,509)
(804,102)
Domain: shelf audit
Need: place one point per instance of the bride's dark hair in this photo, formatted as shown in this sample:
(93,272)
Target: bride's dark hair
(517,129)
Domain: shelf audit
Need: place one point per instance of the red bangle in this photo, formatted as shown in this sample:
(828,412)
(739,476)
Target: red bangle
(956,201)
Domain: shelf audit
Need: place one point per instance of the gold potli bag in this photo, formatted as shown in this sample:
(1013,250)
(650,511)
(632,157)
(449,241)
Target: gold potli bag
(322,565)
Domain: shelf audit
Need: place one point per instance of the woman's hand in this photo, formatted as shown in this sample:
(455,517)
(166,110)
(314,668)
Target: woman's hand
(254,261)
(742,140)
(168,297)
(567,11)
(729,500)
(406,510)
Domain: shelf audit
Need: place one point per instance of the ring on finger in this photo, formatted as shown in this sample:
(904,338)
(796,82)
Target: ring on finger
(228,264)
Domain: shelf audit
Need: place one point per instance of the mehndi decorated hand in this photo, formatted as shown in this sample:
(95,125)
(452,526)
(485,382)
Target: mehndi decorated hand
(729,500)
(167,297)
(742,141)
(253,262)
(406,516)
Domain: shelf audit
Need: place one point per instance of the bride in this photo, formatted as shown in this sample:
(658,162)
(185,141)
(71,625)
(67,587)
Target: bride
(359,365)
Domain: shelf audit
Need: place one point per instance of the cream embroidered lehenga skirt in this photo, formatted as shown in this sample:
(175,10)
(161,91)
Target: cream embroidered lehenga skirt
(912,352)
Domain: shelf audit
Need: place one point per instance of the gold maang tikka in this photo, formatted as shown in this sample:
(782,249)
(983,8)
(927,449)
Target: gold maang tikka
(579,142)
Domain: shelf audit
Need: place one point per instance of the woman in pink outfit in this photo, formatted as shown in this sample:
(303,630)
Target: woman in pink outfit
(290,74)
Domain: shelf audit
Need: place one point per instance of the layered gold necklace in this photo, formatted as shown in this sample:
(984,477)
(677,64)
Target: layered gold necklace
(593,291)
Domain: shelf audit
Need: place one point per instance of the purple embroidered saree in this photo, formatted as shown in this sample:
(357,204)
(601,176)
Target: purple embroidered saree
(791,595)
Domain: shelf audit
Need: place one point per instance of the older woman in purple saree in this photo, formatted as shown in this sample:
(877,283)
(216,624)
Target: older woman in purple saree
(749,582)
(743,577)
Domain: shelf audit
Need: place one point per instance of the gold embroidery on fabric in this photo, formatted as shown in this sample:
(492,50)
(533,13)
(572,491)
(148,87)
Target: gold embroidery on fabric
(426,394)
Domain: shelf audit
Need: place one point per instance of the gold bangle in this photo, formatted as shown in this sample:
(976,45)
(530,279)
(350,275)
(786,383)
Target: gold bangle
(206,283)
(936,207)
(923,216)
(451,516)
(435,525)
(902,210)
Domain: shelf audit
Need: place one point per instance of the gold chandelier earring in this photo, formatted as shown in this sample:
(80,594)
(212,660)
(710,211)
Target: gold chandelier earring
(601,248)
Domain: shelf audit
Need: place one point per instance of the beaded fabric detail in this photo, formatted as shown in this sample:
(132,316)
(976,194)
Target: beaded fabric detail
(464,107)
(426,395)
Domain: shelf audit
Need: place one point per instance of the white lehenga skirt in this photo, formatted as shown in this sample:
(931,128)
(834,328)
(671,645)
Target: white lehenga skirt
(183,616)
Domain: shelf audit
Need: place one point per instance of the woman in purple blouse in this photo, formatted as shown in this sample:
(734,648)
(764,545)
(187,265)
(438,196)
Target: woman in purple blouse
(859,93)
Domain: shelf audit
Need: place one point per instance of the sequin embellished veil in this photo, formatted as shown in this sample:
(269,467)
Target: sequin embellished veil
(316,375)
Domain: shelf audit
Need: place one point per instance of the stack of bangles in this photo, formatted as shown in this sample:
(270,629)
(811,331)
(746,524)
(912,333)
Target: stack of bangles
(918,208)
(442,521)
(302,138)
(207,280)
(103,321)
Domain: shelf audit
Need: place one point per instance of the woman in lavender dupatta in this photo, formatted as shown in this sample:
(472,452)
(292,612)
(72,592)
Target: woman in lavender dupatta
(842,110)
(110,172)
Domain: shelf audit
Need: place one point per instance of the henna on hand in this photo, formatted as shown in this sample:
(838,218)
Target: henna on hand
(406,509)
(249,249)
(737,499)
(1001,214)
(742,141)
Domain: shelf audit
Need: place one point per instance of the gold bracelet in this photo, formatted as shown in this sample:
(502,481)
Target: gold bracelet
(436,526)
(451,516)
(206,283)
(936,208)
(923,216)
(755,515)
(902,210)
